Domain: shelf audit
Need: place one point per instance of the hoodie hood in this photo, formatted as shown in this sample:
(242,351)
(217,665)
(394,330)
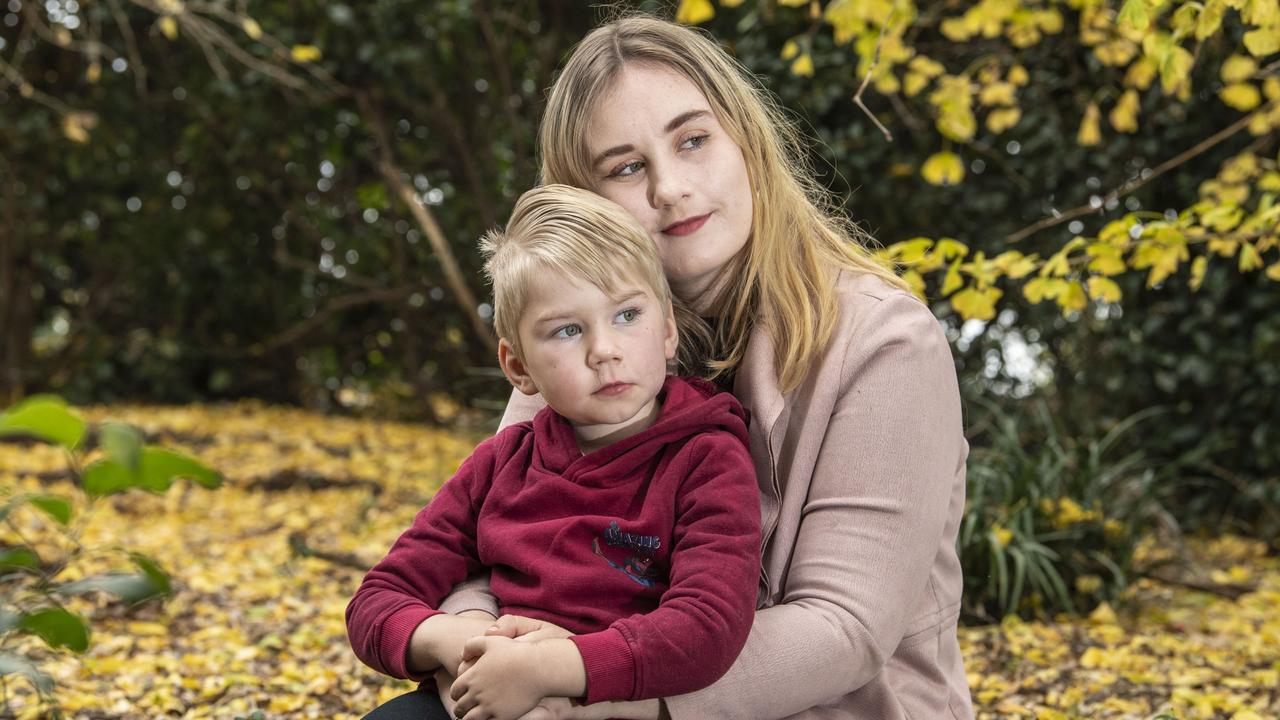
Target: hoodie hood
(689,406)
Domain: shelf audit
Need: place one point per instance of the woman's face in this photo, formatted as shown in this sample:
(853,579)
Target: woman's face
(657,150)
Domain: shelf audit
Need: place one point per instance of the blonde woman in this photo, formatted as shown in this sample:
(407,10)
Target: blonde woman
(855,432)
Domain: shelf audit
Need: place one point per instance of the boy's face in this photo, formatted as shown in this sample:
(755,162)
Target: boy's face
(598,360)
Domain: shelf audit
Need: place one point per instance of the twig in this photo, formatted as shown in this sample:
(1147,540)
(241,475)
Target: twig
(131,46)
(1136,183)
(875,60)
(1230,591)
(394,178)
(298,544)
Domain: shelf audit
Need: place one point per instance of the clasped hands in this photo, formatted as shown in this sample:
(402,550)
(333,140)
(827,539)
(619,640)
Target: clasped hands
(520,669)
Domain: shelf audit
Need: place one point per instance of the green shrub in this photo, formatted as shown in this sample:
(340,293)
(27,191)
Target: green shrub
(1052,522)
(34,587)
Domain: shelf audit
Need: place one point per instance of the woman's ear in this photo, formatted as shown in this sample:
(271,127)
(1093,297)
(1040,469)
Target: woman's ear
(513,367)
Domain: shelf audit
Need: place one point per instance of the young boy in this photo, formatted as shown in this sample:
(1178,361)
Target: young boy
(626,512)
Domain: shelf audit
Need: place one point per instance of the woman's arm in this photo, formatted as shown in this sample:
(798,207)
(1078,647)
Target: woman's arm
(872,525)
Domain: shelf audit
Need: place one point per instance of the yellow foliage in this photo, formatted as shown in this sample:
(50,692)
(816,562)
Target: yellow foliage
(251,28)
(1237,68)
(1089,134)
(1263,41)
(802,66)
(1198,267)
(694,12)
(1124,116)
(1140,74)
(998,93)
(952,281)
(1242,96)
(1104,289)
(975,304)
(168,27)
(944,168)
(1018,75)
(304,53)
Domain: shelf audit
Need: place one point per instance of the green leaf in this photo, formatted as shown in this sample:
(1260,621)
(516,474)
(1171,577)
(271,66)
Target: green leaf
(55,507)
(152,582)
(10,664)
(122,443)
(157,468)
(19,556)
(161,466)
(1135,14)
(46,417)
(58,627)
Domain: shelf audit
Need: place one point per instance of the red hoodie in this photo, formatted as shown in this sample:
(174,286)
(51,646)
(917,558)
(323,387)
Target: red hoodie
(649,548)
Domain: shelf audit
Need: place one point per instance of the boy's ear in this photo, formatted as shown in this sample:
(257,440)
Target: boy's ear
(513,367)
(671,336)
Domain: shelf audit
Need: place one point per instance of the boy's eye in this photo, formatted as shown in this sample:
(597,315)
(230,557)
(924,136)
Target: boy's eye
(568,331)
(629,315)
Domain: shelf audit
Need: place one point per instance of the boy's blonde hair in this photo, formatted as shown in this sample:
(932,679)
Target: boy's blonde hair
(570,232)
(784,276)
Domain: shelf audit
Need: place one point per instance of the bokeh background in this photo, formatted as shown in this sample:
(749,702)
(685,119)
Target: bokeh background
(208,203)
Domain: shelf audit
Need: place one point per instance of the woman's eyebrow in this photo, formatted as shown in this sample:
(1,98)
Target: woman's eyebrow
(674,124)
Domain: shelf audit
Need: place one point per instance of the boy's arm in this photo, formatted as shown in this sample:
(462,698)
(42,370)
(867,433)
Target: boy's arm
(694,635)
(385,618)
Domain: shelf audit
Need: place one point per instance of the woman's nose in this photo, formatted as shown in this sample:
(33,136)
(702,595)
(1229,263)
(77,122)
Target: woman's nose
(666,186)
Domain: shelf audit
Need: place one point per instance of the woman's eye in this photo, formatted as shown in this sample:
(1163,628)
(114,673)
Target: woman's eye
(628,169)
(629,315)
(568,331)
(694,142)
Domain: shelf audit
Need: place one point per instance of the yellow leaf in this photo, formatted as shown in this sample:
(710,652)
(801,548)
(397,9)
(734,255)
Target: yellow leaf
(944,168)
(76,125)
(1103,615)
(803,66)
(790,49)
(1175,71)
(1003,535)
(1072,298)
(1238,68)
(694,12)
(1198,267)
(952,281)
(1043,288)
(956,29)
(730,3)
(913,83)
(1241,96)
(1140,74)
(915,282)
(1210,19)
(1271,88)
(1089,133)
(1249,258)
(926,66)
(1104,289)
(999,93)
(251,28)
(1124,116)
(1263,41)
(1002,119)
(1018,75)
(1015,265)
(93,73)
(169,27)
(1106,259)
(950,248)
(909,252)
(792,3)
(1135,14)
(974,304)
(1273,272)
(304,53)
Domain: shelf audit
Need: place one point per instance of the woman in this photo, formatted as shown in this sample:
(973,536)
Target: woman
(856,429)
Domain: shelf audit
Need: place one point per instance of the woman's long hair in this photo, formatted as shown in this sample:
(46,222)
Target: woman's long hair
(784,278)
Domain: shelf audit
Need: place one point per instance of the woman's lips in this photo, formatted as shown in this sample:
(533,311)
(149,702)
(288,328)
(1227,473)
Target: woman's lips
(686,227)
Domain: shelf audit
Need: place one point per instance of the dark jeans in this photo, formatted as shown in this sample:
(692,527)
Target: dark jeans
(421,704)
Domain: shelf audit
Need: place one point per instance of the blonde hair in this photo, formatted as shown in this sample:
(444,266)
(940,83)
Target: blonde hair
(571,232)
(783,278)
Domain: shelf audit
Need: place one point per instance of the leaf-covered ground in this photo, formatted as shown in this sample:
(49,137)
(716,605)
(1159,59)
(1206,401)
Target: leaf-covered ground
(263,568)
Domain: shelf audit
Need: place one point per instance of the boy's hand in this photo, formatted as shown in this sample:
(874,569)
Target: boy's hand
(504,679)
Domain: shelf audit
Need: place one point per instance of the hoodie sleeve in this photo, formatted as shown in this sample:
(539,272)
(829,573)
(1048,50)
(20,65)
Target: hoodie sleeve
(424,564)
(703,619)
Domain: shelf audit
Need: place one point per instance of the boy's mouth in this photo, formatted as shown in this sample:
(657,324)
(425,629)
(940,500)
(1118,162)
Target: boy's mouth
(612,389)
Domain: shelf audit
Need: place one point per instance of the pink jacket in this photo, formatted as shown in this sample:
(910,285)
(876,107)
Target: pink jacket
(862,480)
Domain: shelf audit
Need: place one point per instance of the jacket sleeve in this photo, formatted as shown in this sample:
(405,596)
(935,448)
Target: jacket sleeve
(872,525)
(425,562)
(703,618)
(474,593)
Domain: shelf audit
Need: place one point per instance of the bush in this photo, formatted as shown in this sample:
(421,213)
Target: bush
(1052,523)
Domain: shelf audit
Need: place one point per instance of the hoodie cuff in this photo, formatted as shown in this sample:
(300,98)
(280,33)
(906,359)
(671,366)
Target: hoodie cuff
(397,630)
(610,665)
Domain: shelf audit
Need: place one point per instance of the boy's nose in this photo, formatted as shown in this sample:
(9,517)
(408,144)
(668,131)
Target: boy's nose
(603,348)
